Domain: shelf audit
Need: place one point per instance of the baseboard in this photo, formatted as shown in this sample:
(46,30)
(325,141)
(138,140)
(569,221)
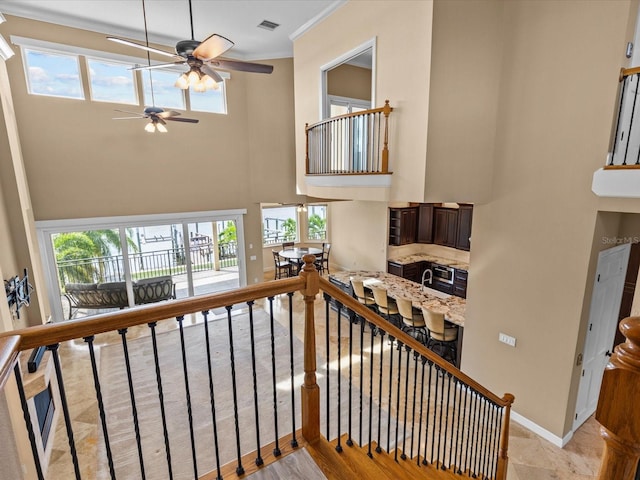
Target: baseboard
(538,430)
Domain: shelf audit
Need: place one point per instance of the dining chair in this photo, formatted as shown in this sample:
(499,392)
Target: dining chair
(412,320)
(283,268)
(322,259)
(288,245)
(386,307)
(442,335)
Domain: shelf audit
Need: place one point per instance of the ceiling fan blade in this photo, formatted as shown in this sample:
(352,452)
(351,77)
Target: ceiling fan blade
(160,120)
(212,73)
(168,114)
(182,119)
(160,65)
(140,115)
(143,47)
(214,46)
(242,66)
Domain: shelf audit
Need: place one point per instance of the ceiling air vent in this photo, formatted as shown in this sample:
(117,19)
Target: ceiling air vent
(267,25)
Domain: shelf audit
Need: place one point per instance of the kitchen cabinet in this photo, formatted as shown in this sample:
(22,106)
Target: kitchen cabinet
(463,234)
(402,225)
(445,226)
(410,271)
(460,283)
(425,223)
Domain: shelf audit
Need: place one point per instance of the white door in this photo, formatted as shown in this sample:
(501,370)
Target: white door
(603,321)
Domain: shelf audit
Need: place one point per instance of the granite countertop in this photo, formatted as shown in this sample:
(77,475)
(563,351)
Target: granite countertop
(453,307)
(425,257)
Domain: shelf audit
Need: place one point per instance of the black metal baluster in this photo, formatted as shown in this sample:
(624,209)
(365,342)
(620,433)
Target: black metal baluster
(446,422)
(276,449)
(465,433)
(406,403)
(488,446)
(453,421)
(382,334)
(339,445)
(395,450)
(633,112)
(423,360)
(497,440)
(482,443)
(625,83)
(27,421)
(372,328)
(259,460)
(361,380)
(134,410)
(413,408)
(328,397)
(239,468)
(468,463)
(460,387)
(103,420)
(349,439)
(212,399)
(440,464)
(426,416)
(392,340)
(476,439)
(163,416)
(294,440)
(435,414)
(187,390)
(485,432)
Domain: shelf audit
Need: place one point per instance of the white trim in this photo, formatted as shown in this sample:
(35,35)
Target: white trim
(317,19)
(382,180)
(618,183)
(369,44)
(538,430)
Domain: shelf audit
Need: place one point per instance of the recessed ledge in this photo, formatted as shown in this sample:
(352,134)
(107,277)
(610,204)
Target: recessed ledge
(346,180)
(616,182)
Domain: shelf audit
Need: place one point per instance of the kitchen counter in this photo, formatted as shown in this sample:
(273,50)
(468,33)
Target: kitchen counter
(453,307)
(425,257)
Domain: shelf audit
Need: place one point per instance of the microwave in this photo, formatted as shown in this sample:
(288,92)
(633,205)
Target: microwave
(443,273)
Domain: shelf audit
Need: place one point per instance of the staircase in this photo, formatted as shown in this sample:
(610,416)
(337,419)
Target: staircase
(354,462)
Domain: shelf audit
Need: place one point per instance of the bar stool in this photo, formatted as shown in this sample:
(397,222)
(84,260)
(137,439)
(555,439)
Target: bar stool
(386,307)
(361,295)
(412,320)
(441,336)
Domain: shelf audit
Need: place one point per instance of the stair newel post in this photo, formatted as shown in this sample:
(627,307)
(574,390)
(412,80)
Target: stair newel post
(386,110)
(310,391)
(503,457)
(617,410)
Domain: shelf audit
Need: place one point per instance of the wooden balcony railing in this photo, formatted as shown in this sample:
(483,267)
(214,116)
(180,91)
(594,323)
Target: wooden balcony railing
(356,143)
(624,147)
(381,388)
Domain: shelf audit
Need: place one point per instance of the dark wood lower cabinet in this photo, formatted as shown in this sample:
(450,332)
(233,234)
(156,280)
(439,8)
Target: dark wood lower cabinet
(460,283)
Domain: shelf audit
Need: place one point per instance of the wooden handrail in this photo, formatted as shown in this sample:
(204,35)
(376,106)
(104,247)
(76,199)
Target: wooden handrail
(371,317)
(617,409)
(386,110)
(8,357)
(625,72)
(59,332)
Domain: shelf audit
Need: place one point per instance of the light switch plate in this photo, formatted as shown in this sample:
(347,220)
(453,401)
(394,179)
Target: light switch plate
(509,340)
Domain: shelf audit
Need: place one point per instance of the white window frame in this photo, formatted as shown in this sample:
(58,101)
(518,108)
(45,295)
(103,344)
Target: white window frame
(326,230)
(112,62)
(27,76)
(46,228)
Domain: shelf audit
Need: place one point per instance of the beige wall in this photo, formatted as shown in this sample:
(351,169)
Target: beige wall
(349,81)
(81,163)
(534,241)
(402,77)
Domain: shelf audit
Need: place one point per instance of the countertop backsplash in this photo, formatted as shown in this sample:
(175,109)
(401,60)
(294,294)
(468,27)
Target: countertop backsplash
(459,256)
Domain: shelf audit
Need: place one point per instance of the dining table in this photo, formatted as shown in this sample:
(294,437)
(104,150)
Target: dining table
(294,255)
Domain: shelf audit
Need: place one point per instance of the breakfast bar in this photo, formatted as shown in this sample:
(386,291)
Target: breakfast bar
(452,306)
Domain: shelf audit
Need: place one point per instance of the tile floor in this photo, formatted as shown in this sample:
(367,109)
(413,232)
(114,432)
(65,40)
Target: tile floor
(531,457)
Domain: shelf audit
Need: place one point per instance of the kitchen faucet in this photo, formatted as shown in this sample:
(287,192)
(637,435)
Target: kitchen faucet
(427,275)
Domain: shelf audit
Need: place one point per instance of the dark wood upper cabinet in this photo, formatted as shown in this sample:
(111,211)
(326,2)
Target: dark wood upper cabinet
(463,237)
(445,226)
(425,223)
(403,224)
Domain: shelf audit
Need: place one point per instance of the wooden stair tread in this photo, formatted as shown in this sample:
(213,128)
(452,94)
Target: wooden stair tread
(331,462)
(359,461)
(408,467)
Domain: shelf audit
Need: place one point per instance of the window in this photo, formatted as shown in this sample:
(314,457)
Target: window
(279,224)
(52,74)
(112,82)
(165,94)
(213,101)
(317,222)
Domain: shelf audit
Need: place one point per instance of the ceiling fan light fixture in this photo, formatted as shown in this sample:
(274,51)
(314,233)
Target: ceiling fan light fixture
(150,127)
(209,82)
(161,128)
(193,76)
(182,82)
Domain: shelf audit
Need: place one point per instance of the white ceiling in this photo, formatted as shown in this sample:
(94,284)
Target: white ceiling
(168,20)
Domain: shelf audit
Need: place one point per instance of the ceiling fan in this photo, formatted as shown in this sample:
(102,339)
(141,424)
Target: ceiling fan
(158,118)
(200,57)
(157,115)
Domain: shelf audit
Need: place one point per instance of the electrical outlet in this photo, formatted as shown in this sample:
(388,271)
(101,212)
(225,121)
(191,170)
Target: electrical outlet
(509,340)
